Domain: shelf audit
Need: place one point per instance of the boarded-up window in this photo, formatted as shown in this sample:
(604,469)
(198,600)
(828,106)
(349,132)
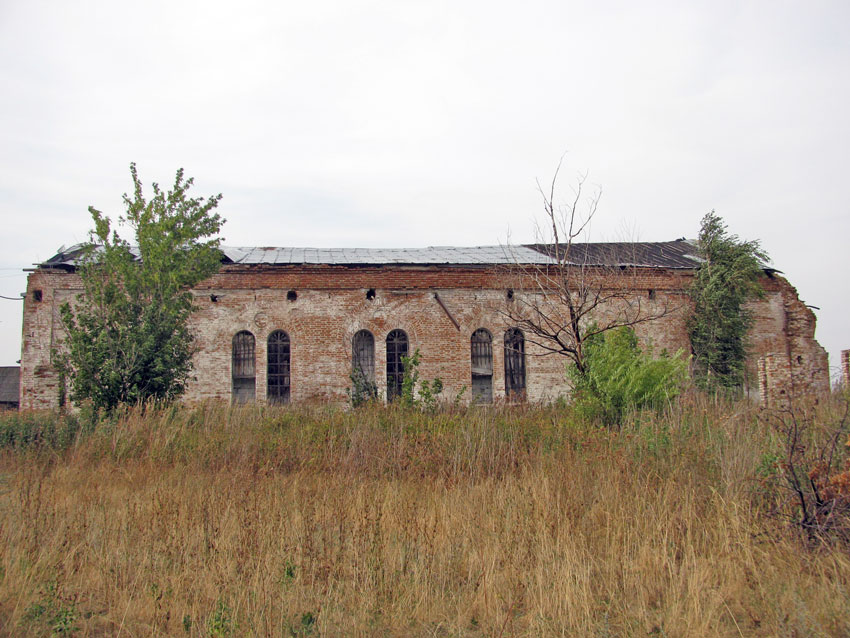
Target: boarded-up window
(243,367)
(515,364)
(482,366)
(396,349)
(278,367)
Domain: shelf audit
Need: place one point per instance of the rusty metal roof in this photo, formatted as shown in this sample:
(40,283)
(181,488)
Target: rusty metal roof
(660,254)
(671,254)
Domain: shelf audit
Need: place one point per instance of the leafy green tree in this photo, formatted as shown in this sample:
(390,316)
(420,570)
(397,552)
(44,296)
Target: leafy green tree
(727,279)
(127,334)
(619,376)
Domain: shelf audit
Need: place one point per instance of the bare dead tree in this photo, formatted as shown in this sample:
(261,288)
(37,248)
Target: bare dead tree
(811,468)
(575,291)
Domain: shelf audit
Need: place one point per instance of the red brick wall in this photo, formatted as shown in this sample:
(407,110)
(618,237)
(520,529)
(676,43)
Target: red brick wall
(332,305)
(795,364)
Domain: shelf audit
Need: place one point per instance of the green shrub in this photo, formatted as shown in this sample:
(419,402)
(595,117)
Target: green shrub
(221,622)
(362,391)
(415,393)
(619,376)
(52,613)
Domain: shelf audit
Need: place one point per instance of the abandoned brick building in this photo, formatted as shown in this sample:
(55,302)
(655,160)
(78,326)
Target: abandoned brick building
(290,324)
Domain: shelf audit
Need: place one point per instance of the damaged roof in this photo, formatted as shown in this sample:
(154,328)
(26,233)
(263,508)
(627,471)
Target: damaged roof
(669,254)
(664,254)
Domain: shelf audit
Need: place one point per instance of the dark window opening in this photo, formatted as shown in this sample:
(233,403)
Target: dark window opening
(652,294)
(363,366)
(370,294)
(510,294)
(482,366)
(396,349)
(291,295)
(242,367)
(278,368)
(514,364)
(36,295)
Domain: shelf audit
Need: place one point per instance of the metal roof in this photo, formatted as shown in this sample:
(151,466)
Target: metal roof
(382,256)
(671,254)
(664,254)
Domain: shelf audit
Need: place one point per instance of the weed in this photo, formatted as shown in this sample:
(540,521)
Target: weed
(305,627)
(288,573)
(769,466)
(421,395)
(221,622)
(52,612)
(362,391)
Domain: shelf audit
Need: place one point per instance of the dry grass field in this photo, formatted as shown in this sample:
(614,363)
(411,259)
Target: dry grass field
(219,521)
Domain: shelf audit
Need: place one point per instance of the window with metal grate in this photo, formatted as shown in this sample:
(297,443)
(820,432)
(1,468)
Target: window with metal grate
(278,367)
(397,347)
(515,364)
(242,367)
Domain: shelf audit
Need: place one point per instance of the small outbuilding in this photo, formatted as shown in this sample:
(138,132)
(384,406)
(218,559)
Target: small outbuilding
(10,387)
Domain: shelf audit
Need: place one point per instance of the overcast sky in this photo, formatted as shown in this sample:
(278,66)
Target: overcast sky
(395,124)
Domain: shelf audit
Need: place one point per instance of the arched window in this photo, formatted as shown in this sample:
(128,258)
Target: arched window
(242,367)
(482,366)
(396,349)
(363,366)
(515,364)
(278,367)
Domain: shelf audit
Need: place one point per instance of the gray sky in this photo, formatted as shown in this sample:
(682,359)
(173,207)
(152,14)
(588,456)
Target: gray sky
(378,124)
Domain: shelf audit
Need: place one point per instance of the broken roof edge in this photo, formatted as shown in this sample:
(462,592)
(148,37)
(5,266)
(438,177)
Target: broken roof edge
(676,254)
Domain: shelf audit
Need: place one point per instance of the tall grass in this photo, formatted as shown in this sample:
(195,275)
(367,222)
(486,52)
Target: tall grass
(214,521)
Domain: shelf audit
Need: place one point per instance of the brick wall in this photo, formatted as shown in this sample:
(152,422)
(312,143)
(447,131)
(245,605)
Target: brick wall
(795,364)
(46,291)
(332,304)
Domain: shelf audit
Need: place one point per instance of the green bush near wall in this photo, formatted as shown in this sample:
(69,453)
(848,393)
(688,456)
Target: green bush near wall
(619,377)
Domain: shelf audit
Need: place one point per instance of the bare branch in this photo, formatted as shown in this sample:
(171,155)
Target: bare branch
(580,291)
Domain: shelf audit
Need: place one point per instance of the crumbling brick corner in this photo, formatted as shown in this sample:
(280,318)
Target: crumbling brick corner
(792,365)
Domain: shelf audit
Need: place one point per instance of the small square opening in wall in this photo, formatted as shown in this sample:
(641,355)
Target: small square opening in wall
(291,295)
(36,295)
(510,294)
(652,293)
(370,294)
